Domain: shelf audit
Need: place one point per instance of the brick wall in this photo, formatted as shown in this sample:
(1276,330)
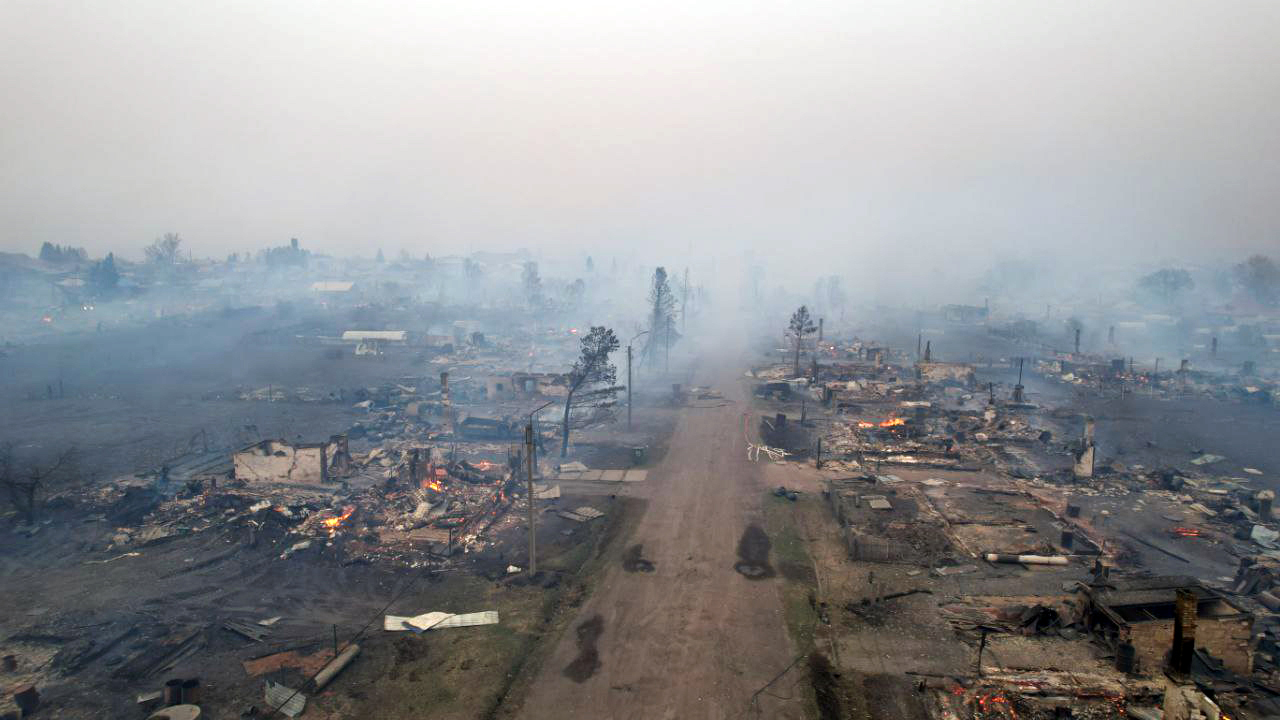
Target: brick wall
(1225,638)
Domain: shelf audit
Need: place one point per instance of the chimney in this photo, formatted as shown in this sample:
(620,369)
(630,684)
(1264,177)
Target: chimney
(1184,632)
(1084,455)
(928,350)
(1265,499)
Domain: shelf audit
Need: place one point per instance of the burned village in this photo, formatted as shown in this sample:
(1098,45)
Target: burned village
(460,488)
(565,360)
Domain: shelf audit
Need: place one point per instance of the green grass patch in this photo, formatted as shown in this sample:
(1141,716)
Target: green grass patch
(791,558)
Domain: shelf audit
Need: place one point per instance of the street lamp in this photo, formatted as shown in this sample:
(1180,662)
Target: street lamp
(646,332)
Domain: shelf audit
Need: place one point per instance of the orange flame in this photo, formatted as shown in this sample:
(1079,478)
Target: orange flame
(334,522)
(891,422)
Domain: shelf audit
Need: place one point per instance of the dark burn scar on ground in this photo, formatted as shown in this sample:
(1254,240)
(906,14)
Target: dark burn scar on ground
(633,560)
(588,660)
(753,554)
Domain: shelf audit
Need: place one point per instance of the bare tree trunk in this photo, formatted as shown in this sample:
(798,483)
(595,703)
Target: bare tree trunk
(798,339)
(564,430)
(23,497)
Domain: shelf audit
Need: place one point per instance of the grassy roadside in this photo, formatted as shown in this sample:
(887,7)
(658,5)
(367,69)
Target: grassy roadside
(790,552)
(560,608)
(799,584)
(478,672)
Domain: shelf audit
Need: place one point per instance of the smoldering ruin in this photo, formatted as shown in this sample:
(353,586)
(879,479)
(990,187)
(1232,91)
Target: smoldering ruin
(973,512)
(807,360)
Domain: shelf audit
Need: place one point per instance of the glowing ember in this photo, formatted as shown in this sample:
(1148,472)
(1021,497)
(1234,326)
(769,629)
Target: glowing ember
(891,422)
(996,704)
(433,485)
(333,523)
(1186,532)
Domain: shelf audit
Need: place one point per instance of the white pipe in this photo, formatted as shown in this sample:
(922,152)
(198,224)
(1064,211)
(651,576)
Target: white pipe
(1027,559)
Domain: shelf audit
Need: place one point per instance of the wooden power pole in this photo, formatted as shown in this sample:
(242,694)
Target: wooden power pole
(530,450)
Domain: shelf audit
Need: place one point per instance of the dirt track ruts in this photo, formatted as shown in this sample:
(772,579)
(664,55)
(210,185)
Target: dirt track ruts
(694,638)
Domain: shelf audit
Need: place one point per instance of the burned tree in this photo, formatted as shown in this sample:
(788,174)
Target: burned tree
(531,282)
(62,254)
(801,325)
(104,278)
(24,485)
(591,383)
(1260,277)
(574,293)
(1167,285)
(662,302)
(164,251)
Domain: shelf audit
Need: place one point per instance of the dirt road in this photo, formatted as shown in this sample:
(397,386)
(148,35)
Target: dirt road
(689,637)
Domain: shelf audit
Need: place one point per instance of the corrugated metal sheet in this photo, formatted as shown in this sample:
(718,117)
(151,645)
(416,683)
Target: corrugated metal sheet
(285,699)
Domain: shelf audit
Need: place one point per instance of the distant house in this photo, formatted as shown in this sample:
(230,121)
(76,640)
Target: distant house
(372,342)
(523,385)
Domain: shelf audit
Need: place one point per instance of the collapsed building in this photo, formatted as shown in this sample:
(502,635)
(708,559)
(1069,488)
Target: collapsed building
(279,461)
(1138,619)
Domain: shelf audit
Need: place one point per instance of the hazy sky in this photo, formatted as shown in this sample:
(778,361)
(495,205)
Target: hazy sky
(873,127)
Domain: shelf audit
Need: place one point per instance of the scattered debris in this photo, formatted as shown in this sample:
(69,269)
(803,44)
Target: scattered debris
(285,700)
(439,621)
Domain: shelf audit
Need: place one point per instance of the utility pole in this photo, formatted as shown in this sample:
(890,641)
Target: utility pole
(533,538)
(667,361)
(637,337)
(684,303)
(531,451)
